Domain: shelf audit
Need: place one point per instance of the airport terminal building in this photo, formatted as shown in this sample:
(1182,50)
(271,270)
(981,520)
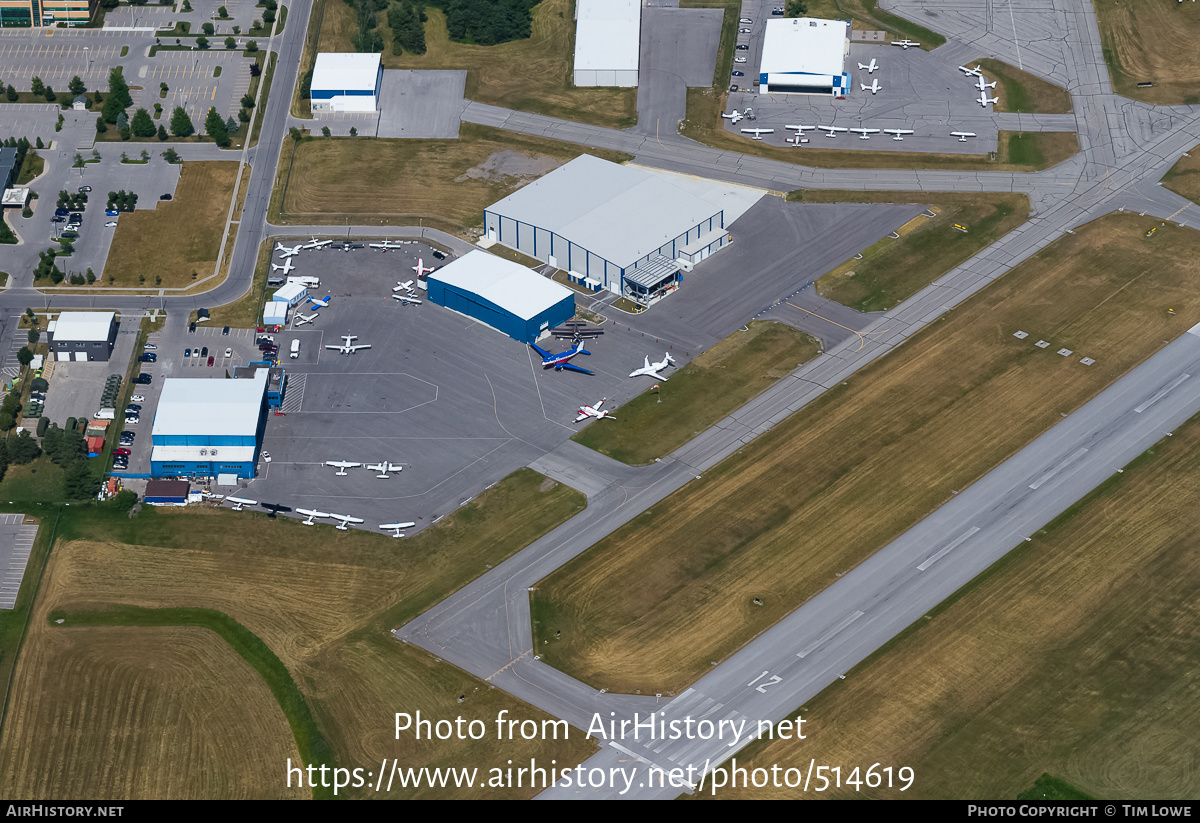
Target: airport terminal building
(612,227)
(805,55)
(209,427)
(346,82)
(607,42)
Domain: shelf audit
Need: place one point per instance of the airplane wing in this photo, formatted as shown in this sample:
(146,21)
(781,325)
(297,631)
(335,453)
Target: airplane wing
(544,354)
(582,416)
(575,368)
(396,525)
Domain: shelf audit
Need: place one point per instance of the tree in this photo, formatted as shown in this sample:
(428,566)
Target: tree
(162,133)
(12,95)
(171,156)
(243,115)
(237,29)
(142,125)
(208,28)
(201,42)
(353,131)
(181,124)
(96,154)
(325,131)
(231,126)
(295,134)
(40,145)
(91,276)
(100,126)
(33,336)
(247,101)
(214,127)
(77,86)
(23,448)
(795,8)
(230,43)
(252,47)
(24,356)
(221,12)
(187,6)
(118,98)
(50,95)
(35,86)
(78,162)
(145,156)
(163,88)
(268,16)
(255,69)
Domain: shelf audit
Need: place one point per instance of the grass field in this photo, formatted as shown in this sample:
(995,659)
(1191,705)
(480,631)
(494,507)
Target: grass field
(1184,176)
(893,270)
(528,75)
(246,312)
(716,383)
(866,14)
(321,601)
(652,605)
(33,166)
(1017,151)
(1148,42)
(1021,91)
(187,230)
(1075,654)
(403,180)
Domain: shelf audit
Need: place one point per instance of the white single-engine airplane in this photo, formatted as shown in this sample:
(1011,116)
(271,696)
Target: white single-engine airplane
(831,131)
(594,411)
(653,369)
(348,347)
(962,135)
(873,88)
(341,466)
(285,251)
(758,133)
(312,515)
(396,527)
(979,84)
(299,319)
(975,72)
(905,43)
(315,243)
(383,468)
(735,116)
(421,268)
(870,67)
(983,99)
(346,519)
(800,129)
(898,134)
(403,285)
(385,245)
(864,134)
(238,502)
(286,268)
(406,299)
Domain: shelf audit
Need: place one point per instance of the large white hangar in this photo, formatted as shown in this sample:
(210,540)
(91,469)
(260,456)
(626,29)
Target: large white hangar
(805,55)
(610,227)
(346,82)
(504,295)
(607,42)
(209,427)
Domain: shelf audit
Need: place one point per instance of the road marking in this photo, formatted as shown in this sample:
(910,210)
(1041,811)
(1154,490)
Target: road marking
(949,547)
(1048,475)
(1161,394)
(812,647)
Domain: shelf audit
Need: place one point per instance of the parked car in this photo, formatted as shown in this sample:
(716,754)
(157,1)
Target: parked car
(743,31)
(165,197)
(131,420)
(133,407)
(149,347)
(739,74)
(228,353)
(58,218)
(439,254)
(127,438)
(111,212)
(225,331)
(84,189)
(148,357)
(143,379)
(122,451)
(743,47)
(739,59)
(745,20)
(210,360)
(733,87)
(192,327)
(61,212)
(204,352)
(137,398)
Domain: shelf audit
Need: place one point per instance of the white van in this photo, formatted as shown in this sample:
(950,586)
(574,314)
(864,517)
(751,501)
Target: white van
(295,351)
(105,414)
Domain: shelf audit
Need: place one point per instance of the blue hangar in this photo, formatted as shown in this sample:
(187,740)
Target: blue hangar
(209,427)
(504,295)
(346,82)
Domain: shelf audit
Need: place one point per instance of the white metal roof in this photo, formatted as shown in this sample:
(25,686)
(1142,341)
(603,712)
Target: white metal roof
(509,285)
(620,213)
(345,72)
(210,406)
(288,292)
(215,454)
(608,34)
(805,44)
(83,326)
(275,312)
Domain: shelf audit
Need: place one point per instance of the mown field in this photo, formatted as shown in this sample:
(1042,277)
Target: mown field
(528,75)
(652,605)
(866,14)
(1149,42)
(187,230)
(322,601)
(1076,654)
(1021,91)
(715,384)
(1184,176)
(403,180)
(894,269)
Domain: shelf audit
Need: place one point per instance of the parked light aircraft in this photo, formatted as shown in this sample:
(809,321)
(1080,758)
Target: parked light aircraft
(905,43)
(347,347)
(758,133)
(315,243)
(897,134)
(870,67)
(979,84)
(594,411)
(312,515)
(385,245)
(653,369)
(238,502)
(341,466)
(321,302)
(403,285)
(864,134)
(984,99)
(406,299)
(962,135)
(560,360)
(421,268)
(285,251)
(396,527)
(735,116)
(975,72)
(795,141)
(831,131)
(346,519)
(286,268)
(383,468)
(873,88)
(299,319)
(800,129)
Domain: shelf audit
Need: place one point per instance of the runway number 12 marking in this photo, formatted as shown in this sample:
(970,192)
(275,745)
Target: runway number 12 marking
(775,680)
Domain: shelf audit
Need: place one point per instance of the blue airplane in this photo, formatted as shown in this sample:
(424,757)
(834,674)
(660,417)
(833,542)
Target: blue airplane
(319,302)
(559,361)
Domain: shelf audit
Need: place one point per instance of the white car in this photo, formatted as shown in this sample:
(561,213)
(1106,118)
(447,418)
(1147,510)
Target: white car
(137,398)
(149,347)
(110,224)
(743,31)
(739,59)
(745,20)
(228,353)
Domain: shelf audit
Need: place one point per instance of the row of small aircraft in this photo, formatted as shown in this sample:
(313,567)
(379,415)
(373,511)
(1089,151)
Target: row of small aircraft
(977,73)
(344,520)
(385,469)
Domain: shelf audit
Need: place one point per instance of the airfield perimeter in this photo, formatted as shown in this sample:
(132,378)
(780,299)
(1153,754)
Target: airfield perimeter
(1126,147)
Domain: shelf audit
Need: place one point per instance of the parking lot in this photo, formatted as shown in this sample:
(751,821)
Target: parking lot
(76,387)
(16,542)
(191,83)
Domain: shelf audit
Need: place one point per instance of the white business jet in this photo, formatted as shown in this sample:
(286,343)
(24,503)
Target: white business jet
(758,133)
(238,502)
(285,251)
(905,43)
(300,320)
(870,67)
(396,527)
(735,116)
(653,369)
(962,135)
(897,134)
(403,285)
(831,131)
(349,348)
(385,245)
(983,99)
(975,72)
(873,88)
(346,519)
(312,515)
(594,411)
(286,268)
(383,468)
(979,84)
(864,134)
(421,268)
(341,466)
(315,243)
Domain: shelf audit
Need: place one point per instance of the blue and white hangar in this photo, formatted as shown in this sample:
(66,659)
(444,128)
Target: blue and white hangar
(805,55)
(614,227)
(209,427)
(346,82)
(502,294)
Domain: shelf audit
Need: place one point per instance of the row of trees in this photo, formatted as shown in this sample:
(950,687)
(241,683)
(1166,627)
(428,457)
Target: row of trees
(46,267)
(122,200)
(407,19)
(487,22)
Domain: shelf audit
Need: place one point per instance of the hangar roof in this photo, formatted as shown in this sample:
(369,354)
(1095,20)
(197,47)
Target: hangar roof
(608,34)
(210,406)
(83,326)
(511,286)
(805,45)
(346,72)
(620,213)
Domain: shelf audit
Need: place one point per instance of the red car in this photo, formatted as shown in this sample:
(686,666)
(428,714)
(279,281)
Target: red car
(210,360)
(122,451)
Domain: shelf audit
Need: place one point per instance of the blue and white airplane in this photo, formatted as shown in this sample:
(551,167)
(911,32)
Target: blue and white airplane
(559,361)
(321,302)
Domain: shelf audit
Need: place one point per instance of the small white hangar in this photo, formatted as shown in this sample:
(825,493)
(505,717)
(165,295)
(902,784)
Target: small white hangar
(346,82)
(805,55)
(609,226)
(607,42)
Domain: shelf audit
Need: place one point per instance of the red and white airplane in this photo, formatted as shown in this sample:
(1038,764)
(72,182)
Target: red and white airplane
(421,268)
(594,411)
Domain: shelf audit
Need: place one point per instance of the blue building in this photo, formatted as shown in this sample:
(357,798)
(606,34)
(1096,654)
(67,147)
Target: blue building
(209,427)
(504,295)
(346,82)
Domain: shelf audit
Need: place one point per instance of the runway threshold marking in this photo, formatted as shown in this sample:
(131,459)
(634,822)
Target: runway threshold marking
(862,340)
(812,647)
(1161,393)
(1045,478)
(949,547)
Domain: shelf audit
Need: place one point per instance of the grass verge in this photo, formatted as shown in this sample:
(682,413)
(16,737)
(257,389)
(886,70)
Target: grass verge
(1024,92)
(246,312)
(866,14)
(266,77)
(714,385)
(1152,43)
(34,165)
(1184,176)
(650,606)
